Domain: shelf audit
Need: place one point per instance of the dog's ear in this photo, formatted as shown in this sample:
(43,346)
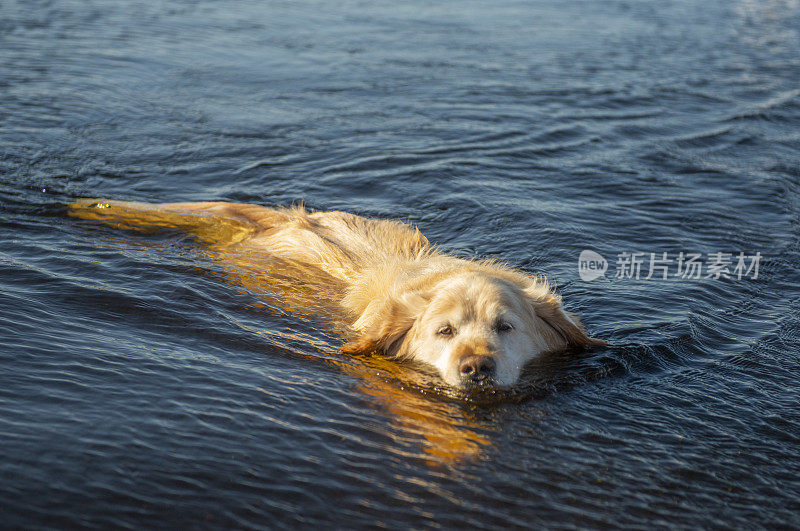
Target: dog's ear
(547,306)
(388,328)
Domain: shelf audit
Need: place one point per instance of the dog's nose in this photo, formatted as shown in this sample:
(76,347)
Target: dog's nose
(476,368)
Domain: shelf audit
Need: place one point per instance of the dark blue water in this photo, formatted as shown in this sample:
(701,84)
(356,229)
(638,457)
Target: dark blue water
(141,385)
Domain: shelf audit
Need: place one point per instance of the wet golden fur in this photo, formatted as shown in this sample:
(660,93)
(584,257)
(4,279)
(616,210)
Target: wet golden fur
(401,295)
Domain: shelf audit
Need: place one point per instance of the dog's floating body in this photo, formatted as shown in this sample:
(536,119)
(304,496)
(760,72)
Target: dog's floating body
(477,322)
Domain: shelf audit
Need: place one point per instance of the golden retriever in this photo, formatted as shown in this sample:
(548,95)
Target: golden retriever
(477,322)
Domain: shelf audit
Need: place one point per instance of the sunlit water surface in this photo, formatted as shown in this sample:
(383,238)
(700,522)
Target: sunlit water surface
(143,383)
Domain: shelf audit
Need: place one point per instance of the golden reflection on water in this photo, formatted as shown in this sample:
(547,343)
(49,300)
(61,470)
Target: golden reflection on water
(419,405)
(447,433)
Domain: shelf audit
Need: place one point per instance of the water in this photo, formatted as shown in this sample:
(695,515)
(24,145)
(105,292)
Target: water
(144,385)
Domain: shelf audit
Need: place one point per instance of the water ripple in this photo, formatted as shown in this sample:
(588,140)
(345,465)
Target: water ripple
(144,384)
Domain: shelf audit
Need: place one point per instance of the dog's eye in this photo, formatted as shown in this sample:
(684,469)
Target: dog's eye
(445,331)
(503,326)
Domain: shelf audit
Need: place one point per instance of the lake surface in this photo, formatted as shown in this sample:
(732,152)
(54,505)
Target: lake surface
(142,385)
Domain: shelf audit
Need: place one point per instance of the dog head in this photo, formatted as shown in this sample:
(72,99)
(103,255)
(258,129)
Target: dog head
(478,327)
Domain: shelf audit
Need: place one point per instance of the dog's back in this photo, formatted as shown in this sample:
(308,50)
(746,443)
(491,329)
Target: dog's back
(342,244)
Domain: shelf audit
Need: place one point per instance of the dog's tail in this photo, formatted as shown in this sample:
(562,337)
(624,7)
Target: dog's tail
(212,223)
